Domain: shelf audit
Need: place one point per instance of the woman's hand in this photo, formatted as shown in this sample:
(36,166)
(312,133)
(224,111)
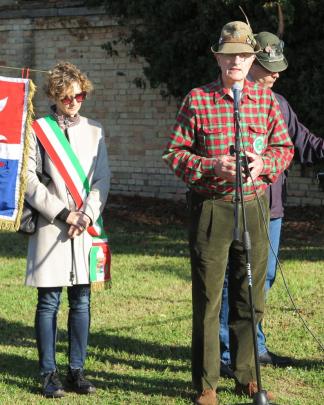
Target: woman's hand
(79,223)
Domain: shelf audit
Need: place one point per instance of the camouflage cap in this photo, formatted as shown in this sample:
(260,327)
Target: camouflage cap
(271,56)
(236,37)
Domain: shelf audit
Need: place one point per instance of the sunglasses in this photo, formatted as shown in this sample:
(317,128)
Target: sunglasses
(80,97)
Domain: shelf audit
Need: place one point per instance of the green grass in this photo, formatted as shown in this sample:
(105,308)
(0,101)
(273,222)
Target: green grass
(139,348)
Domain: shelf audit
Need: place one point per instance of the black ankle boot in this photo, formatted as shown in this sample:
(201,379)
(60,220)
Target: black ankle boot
(52,386)
(76,381)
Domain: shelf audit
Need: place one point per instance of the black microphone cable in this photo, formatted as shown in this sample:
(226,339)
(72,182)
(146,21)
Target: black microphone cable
(296,310)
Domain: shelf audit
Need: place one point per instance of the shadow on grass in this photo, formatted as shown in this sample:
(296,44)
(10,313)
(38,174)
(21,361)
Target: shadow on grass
(165,354)
(148,323)
(310,253)
(159,299)
(304,364)
(149,240)
(15,333)
(20,335)
(146,240)
(145,385)
(14,368)
(23,373)
(139,243)
(13,244)
(154,242)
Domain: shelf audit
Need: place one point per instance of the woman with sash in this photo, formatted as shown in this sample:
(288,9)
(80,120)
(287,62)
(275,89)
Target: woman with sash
(69,248)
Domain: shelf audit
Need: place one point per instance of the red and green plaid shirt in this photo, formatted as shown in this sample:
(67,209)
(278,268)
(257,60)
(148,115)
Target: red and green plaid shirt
(204,130)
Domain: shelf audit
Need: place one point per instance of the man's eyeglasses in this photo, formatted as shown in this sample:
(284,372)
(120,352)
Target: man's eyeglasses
(80,97)
(242,56)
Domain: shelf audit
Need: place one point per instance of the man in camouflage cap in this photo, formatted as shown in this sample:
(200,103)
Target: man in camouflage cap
(199,152)
(269,62)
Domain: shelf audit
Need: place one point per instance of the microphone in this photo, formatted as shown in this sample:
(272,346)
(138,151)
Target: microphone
(237,90)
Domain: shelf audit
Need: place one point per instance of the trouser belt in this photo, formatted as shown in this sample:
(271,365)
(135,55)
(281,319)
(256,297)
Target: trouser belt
(223,197)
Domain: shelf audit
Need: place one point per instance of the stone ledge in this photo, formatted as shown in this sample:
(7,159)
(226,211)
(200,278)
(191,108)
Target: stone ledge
(26,12)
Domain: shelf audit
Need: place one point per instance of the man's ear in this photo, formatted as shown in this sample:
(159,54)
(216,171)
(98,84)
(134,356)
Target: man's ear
(253,60)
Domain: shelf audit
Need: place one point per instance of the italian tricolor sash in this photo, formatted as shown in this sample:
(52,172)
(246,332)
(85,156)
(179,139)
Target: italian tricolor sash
(63,157)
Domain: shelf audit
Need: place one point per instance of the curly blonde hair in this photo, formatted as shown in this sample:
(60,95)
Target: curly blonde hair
(61,77)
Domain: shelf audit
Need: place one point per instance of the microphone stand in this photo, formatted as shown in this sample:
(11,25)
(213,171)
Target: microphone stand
(260,397)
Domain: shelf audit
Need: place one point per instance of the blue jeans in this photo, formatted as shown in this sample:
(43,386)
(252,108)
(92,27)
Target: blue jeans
(78,325)
(274,233)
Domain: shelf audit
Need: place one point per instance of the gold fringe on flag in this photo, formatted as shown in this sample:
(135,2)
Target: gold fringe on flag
(28,124)
(101,285)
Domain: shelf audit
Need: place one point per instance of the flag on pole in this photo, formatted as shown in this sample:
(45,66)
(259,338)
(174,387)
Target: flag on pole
(16,111)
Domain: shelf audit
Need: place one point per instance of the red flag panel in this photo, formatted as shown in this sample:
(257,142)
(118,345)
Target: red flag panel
(12,96)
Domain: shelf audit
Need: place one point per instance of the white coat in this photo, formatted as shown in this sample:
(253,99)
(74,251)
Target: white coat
(53,260)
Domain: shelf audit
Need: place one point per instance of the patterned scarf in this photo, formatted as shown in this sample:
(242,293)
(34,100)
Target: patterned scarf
(64,121)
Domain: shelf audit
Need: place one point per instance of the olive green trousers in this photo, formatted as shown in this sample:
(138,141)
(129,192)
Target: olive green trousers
(211,247)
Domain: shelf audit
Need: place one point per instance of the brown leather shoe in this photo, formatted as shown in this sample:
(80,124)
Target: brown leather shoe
(206,397)
(250,389)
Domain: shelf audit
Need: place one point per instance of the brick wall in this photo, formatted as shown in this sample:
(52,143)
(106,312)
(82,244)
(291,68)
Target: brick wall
(137,121)
(303,187)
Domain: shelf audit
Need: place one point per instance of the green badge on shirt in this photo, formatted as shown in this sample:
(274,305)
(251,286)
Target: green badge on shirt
(258,145)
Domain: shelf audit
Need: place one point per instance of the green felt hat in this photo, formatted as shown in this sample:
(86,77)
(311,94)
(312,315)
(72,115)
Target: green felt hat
(271,56)
(236,37)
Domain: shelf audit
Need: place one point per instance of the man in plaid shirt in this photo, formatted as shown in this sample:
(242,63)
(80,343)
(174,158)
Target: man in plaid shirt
(199,152)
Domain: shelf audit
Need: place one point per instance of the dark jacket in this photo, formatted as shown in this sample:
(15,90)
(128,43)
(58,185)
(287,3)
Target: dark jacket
(308,148)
